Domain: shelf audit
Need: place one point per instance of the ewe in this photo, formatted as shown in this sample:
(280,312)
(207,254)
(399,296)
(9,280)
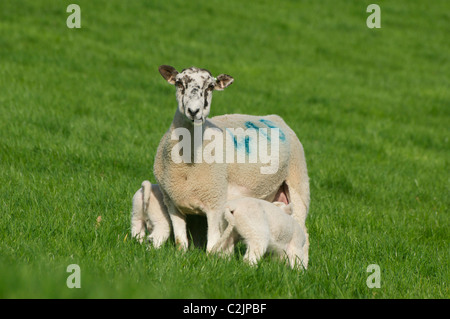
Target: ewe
(193,187)
(264,227)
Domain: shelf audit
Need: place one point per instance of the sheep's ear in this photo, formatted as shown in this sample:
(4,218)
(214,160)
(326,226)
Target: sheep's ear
(223,81)
(168,72)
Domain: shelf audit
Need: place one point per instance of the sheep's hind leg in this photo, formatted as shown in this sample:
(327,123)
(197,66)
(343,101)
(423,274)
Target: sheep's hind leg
(300,211)
(298,192)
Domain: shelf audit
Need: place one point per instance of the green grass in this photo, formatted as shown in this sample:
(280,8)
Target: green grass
(82,112)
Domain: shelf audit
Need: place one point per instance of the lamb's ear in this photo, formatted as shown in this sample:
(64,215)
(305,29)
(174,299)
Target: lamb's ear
(168,72)
(279,204)
(223,81)
(288,209)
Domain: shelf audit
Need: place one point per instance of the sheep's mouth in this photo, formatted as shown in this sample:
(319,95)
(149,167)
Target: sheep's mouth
(197,122)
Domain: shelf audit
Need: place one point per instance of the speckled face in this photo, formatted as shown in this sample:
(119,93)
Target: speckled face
(194,93)
(194,90)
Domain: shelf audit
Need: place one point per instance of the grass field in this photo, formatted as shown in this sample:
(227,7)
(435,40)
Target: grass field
(82,112)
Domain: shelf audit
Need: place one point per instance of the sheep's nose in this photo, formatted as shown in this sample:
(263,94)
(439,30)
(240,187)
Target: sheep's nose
(193,113)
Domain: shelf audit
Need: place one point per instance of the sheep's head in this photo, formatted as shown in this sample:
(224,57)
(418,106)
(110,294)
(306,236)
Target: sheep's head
(194,90)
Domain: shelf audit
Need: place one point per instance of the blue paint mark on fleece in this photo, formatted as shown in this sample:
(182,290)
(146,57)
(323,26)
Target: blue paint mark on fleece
(247,144)
(238,145)
(272,125)
(254,126)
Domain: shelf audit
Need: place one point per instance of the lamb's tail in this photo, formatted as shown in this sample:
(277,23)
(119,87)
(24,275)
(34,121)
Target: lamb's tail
(146,189)
(227,232)
(138,215)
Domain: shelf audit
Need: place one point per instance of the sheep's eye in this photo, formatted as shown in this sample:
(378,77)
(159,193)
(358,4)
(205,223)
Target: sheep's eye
(179,84)
(211,87)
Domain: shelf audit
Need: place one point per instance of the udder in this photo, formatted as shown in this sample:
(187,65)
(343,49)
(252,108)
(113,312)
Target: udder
(282,194)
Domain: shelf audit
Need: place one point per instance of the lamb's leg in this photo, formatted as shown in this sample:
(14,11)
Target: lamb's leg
(138,229)
(255,250)
(159,235)
(296,258)
(229,245)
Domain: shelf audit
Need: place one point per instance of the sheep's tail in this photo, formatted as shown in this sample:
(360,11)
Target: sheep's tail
(146,189)
(227,232)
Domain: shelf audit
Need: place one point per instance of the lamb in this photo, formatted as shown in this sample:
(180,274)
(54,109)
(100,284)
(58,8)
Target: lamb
(199,187)
(149,213)
(264,227)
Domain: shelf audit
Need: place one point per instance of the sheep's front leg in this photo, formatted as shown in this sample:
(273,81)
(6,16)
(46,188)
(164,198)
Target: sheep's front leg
(215,225)
(178,224)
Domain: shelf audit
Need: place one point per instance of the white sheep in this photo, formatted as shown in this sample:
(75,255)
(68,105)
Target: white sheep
(149,213)
(204,188)
(264,227)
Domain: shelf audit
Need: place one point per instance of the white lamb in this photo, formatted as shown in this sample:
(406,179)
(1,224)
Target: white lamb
(204,188)
(149,213)
(264,227)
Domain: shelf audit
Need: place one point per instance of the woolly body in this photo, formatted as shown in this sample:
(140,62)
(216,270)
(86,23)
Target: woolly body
(264,227)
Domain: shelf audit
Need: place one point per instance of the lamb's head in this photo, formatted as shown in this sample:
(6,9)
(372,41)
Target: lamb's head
(194,90)
(286,208)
